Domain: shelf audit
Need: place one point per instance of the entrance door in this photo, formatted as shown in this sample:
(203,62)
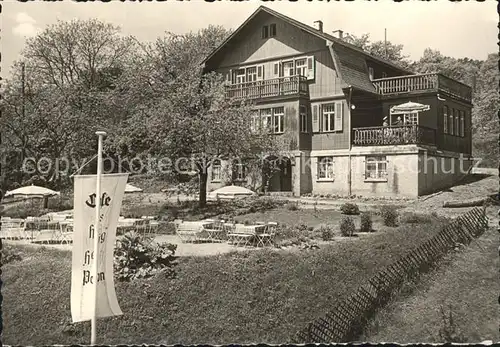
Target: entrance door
(278,172)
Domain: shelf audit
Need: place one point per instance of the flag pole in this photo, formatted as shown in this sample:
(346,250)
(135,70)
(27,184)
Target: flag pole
(93,321)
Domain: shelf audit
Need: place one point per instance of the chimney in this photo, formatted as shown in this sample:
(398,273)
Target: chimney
(341,33)
(318,25)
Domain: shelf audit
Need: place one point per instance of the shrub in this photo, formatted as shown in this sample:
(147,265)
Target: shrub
(389,215)
(414,218)
(347,227)
(140,257)
(349,208)
(292,206)
(166,228)
(326,231)
(366,223)
(62,204)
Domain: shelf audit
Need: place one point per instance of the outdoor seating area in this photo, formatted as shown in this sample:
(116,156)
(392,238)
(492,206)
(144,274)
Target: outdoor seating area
(259,235)
(58,228)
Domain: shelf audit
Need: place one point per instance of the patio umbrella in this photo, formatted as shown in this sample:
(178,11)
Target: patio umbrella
(231,192)
(409,107)
(32,191)
(131,189)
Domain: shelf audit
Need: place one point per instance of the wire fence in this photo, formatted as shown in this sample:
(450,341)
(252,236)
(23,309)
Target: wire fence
(347,320)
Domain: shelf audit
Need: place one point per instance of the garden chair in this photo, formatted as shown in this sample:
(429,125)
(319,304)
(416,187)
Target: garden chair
(43,236)
(66,235)
(267,237)
(48,232)
(215,231)
(13,229)
(241,235)
(189,231)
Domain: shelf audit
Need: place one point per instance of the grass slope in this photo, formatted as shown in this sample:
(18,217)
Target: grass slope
(263,296)
(468,281)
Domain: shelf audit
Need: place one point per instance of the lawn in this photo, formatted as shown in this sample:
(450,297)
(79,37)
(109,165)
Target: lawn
(240,297)
(467,280)
(307,217)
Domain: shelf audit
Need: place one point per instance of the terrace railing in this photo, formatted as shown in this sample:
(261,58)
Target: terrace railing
(394,135)
(283,86)
(425,82)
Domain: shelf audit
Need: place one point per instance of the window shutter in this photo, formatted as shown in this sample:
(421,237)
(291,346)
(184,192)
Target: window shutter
(260,72)
(445,119)
(315,119)
(310,68)
(276,69)
(339,110)
(231,76)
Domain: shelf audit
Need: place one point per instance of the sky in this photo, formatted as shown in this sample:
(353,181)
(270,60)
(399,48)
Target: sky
(457,29)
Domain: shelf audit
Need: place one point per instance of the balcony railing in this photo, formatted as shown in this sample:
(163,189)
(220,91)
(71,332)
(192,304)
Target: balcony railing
(394,135)
(283,86)
(427,82)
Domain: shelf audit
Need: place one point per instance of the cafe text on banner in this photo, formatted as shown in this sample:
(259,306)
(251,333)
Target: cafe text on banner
(85,200)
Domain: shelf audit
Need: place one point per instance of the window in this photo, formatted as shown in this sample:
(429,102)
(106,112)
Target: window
(272,29)
(216,171)
(445,119)
(265,32)
(325,168)
(411,118)
(370,73)
(246,74)
(303,119)
(255,123)
(301,67)
(278,116)
(304,66)
(450,121)
(240,76)
(240,172)
(457,123)
(462,123)
(288,69)
(384,74)
(267,118)
(273,119)
(251,74)
(376,168)
(329,117)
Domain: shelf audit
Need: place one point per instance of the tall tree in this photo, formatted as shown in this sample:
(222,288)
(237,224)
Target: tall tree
(386,50)
(70,69)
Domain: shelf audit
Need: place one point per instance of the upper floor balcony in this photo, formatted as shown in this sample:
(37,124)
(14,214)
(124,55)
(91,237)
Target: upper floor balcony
(422,83)
(394,135)
(276,87)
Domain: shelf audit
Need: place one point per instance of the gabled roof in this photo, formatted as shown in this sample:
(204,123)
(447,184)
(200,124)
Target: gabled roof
(351,59)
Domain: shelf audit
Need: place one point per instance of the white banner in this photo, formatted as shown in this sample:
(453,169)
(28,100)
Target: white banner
(82,294)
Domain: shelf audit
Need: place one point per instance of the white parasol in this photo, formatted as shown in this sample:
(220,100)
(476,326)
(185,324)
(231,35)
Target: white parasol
(32,191)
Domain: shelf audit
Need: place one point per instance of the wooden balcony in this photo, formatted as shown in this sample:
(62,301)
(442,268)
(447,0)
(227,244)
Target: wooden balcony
(283,86)
(394,135)
(423,83)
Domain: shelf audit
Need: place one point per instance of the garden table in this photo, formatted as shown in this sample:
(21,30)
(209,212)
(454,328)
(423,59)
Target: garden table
(245,233)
